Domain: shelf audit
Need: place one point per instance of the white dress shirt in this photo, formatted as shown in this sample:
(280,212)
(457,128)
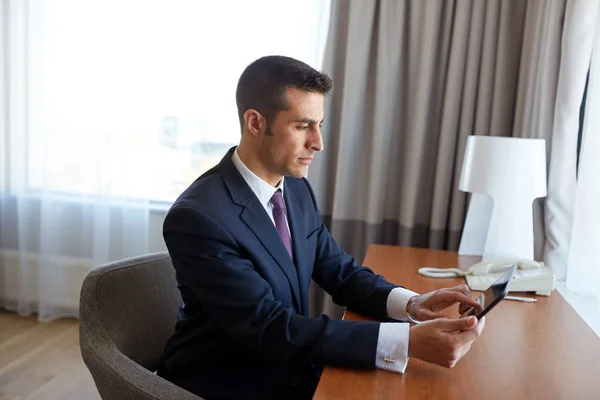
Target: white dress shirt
(392,342)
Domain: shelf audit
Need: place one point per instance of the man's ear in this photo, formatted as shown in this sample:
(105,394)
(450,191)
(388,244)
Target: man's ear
(254,123)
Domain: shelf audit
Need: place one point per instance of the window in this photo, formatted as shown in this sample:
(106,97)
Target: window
(138,97)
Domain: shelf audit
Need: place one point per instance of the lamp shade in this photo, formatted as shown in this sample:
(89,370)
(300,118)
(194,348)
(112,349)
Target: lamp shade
(512,172)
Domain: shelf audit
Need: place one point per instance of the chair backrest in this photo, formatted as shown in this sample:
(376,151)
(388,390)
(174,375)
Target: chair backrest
(127,312)
(134,303)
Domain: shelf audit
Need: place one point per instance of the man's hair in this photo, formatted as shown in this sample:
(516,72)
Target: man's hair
(262,85)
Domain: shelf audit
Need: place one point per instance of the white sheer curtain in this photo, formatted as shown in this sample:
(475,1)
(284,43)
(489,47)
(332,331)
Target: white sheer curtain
(572,214)
(583,273)
(108,110)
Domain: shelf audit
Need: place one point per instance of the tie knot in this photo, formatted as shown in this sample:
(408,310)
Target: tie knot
(277,200)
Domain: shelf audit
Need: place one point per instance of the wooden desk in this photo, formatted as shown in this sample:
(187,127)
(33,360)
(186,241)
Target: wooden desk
(542,350)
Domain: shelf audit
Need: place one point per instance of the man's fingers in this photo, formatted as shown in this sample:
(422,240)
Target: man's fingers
(464,289)
(456,325)
(465,349)
(467,300)
(466,307)
(480,326)
(471,334)
(444,341)
(457,297)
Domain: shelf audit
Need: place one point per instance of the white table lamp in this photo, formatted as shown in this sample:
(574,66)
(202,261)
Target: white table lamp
(505,176)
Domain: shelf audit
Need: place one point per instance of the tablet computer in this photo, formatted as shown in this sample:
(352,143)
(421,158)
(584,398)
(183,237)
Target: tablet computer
(494,294)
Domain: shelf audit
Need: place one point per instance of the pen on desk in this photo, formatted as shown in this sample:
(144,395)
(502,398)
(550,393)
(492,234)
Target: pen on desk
(523,299)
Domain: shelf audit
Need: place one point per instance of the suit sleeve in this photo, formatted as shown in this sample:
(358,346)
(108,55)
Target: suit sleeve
(211,268)
(349,284)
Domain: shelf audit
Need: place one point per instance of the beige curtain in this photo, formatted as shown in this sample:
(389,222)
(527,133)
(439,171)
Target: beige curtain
(413,80)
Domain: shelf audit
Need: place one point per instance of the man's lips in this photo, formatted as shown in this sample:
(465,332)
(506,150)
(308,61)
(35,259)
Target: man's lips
(305,160)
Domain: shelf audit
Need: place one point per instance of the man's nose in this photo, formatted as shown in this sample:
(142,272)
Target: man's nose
(316,140)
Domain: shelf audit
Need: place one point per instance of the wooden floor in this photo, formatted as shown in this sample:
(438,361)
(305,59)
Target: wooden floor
(42,361)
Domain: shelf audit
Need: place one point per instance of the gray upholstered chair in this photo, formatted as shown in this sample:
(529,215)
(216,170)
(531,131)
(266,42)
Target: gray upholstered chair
(127,313)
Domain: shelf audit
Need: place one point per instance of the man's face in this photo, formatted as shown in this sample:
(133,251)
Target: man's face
(295,136)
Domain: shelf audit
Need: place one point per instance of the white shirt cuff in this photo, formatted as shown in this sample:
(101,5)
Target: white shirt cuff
(397,301)
(392,347)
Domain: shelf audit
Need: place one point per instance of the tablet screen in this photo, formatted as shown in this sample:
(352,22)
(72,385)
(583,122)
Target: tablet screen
(492,296)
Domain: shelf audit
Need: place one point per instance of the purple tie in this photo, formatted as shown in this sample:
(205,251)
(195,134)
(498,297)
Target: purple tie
(280,224)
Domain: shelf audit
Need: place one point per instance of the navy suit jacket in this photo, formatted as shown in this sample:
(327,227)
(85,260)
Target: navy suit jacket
(243,329)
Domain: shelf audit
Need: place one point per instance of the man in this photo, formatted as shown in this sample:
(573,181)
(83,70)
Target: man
(246,238)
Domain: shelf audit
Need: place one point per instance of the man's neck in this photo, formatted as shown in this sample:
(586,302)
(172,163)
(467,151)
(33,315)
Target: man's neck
(253,164)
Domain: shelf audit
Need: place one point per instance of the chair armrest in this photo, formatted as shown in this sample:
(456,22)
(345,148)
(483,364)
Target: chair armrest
(118,377)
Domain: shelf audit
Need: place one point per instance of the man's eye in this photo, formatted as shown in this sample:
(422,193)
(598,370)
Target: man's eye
(320,125)
(303,127)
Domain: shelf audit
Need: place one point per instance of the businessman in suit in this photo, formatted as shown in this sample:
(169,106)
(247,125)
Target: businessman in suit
(245,240)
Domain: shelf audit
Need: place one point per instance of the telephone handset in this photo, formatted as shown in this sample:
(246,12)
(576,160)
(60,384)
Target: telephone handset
(498,266)
(531,276)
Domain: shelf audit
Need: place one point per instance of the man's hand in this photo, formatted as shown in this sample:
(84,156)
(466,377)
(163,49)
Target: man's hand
(443,341)
(428,306)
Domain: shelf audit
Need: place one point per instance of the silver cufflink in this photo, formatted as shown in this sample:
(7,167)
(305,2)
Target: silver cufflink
(388,359)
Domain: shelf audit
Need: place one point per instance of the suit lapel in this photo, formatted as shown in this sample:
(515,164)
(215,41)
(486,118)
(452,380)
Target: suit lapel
(296,221)
(257,220)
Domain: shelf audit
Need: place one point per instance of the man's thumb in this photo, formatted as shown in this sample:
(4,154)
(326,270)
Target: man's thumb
(461,324)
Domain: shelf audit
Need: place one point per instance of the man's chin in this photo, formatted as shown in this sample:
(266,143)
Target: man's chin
(298,172)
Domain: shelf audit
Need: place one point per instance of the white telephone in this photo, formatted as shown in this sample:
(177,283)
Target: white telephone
(531,276)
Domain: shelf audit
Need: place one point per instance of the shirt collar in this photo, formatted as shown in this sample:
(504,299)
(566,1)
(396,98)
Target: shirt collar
(261,189)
